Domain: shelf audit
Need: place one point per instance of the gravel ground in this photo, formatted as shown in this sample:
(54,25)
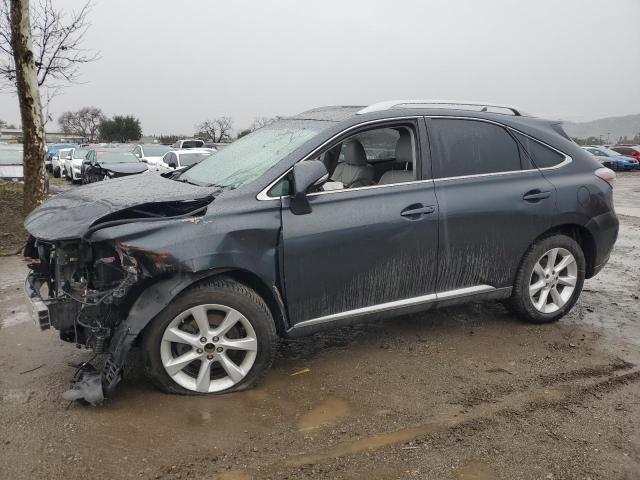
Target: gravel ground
(462,393)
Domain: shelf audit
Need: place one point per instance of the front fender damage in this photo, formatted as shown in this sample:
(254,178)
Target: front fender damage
(117,279)
(141,266)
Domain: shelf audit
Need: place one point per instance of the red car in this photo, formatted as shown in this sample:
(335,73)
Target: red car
(628,151)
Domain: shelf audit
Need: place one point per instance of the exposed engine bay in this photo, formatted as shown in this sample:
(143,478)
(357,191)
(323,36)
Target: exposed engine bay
(85,289)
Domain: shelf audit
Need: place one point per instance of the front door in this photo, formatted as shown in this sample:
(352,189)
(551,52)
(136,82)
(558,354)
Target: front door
(366,249)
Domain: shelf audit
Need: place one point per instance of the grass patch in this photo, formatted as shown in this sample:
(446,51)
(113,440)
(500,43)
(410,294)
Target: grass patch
(12,232)
(57,181)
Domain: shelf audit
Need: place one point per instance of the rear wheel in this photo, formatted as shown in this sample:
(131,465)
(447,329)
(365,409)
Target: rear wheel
(56,172)
(549,280)
(217,337)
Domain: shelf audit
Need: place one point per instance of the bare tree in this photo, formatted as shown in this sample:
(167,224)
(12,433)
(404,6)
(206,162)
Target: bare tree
(26,78)
(83,123)
(259,122)
(39,57)
(56,40)
(217,130)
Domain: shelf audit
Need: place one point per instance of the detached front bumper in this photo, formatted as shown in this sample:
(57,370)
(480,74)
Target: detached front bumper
(37,306)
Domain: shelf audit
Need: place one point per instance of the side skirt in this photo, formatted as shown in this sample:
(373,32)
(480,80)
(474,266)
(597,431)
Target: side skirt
(400,307)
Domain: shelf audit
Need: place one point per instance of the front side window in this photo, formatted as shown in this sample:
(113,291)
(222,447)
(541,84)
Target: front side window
(378,156)
(470,147)
(379,144)
(251,156)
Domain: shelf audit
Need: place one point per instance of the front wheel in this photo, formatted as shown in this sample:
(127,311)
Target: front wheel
(549,280)
(217,337)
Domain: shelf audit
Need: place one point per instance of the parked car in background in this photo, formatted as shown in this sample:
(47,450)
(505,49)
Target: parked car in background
(151,153)
(11,162)
(51,152)
(103,164)
(57,161)
(274,236)
(176,159)
(188,143)
(73,164)
(632,151)
(612,159)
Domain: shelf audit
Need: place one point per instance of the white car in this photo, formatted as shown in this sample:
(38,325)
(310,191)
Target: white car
(151,154)
(188,143)
(185,158)
(57,161)
(73,164)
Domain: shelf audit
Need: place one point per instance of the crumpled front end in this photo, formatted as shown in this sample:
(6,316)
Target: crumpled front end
(81,290)
(82,287)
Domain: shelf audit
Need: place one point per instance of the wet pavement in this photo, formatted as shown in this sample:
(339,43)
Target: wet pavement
(461,393)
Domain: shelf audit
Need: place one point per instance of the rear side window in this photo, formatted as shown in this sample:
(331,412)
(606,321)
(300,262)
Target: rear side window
(624,150)
(543,157)
(469,147)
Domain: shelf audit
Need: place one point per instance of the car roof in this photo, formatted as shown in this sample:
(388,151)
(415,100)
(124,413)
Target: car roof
(193,150)
(111,149)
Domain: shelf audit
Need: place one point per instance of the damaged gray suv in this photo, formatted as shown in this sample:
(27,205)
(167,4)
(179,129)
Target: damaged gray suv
(335,215)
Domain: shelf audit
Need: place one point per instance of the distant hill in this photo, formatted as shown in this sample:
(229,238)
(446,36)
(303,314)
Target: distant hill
(628,125)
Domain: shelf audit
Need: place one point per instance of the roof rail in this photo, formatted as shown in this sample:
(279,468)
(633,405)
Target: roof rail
(389,104)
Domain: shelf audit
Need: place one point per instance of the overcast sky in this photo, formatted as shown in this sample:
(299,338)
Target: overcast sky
(174,64)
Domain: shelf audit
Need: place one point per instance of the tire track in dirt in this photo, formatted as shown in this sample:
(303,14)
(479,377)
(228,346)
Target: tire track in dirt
(482,417)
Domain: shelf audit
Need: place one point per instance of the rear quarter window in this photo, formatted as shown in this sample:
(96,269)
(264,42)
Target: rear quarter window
(541,155)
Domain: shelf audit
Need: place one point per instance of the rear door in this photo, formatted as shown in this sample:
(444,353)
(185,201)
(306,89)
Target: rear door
(493,203)
(362,250)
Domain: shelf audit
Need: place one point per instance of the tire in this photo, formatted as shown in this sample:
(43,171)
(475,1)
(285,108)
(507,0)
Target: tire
(535,271)
(254,328)
(56,172)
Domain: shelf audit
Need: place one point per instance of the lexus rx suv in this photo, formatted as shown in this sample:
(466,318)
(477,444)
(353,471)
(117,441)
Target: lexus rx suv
(332,216)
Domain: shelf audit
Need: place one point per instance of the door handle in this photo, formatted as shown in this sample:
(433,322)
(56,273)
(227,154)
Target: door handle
(535,196)
(419,209)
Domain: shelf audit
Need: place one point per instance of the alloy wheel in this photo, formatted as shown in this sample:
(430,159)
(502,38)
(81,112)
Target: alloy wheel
(208,348)
(553,280)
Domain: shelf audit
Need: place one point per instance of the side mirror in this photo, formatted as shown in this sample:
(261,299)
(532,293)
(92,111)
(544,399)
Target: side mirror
(306,174)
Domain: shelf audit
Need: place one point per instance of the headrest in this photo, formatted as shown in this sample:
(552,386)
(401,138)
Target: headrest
(404,149)
(354,153)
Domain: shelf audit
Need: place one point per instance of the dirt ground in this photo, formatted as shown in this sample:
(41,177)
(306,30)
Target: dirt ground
(465,393)
(12,232)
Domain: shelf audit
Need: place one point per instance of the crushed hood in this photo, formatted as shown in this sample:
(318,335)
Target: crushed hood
(68,215)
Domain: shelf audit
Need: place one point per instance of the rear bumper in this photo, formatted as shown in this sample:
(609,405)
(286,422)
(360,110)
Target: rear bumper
(604,229)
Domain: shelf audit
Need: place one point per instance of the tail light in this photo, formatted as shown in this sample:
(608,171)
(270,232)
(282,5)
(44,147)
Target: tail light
(606,174)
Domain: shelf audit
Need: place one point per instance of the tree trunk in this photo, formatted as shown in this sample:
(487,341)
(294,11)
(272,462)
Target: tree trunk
(35,184)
